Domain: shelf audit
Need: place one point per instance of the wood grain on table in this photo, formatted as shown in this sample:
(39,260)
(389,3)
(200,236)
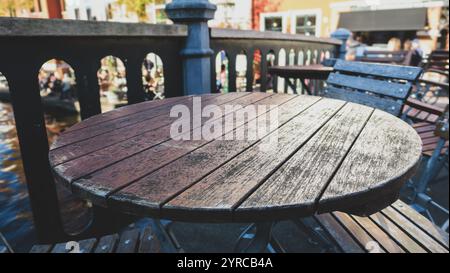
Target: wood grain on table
(331,155)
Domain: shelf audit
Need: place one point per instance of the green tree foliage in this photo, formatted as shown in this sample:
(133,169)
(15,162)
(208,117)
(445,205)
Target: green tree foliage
(137,6)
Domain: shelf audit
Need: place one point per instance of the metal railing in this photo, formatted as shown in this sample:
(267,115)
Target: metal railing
(26,44)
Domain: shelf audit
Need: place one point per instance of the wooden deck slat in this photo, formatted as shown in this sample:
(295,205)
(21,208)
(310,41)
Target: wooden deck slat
(92,162)
(383,239)
(413,231)
(397,234)
(422,222)
(306,174)
(355,230)
(187,170)
(221,191)
(338,233)
(384,155)
(141,164)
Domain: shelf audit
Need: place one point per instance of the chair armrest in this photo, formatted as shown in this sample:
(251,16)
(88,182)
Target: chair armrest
(422,106)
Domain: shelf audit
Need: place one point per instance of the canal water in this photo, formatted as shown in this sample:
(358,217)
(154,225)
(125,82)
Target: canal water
(16,222)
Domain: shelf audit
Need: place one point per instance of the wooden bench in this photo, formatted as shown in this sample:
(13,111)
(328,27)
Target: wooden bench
(130,241)
(396,229)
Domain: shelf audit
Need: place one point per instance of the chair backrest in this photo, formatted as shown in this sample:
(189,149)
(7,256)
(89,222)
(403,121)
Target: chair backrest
(383,56)
(381,86)
(437,59)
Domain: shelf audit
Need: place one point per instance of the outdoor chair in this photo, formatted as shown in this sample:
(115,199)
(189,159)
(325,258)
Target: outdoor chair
(382,86)
(435,150)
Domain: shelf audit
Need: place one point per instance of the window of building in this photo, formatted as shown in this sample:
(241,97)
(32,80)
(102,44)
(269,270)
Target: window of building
(306,25)
(306,22)
(273,24)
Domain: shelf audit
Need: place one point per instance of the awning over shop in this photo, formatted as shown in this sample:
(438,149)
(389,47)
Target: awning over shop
(384,20)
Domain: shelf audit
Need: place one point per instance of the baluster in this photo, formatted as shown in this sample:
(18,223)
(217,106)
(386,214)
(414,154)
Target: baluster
(264,79)
(249,76)
(32,134)
(135,92)
(232,71)
(87,86)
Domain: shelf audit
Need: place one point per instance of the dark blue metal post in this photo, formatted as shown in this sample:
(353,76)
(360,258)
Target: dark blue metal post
(343,35)
(197,52)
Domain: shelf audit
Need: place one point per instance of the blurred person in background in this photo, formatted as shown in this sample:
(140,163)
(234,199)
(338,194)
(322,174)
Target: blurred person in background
(414,53)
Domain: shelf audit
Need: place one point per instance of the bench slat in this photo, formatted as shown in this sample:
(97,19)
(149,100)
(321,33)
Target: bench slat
(397,234)
(87,246)
(339,234)
(359,233)
(149,242)
(381,87)
(107,244)
(415,232)
(41,249)
(382,238)
(422,222)
(128,241)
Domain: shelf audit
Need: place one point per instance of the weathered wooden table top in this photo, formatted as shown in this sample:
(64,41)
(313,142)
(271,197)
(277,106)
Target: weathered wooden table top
(313,71)
(331,156)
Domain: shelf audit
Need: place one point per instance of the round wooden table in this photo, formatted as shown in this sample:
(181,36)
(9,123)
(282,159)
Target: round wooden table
(330,156)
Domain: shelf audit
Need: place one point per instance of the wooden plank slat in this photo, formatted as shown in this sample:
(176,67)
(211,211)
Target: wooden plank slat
(87,246)
(128,242)
(382,70)
(305,175)
(422,222)
(41,249)
(220,192)
(129,120)
(107,244)
(380,87)
(149,243)
(386,104)
(126,171)
(153,190)
(380,236)
(397,234)
(390,157)
(99,159)
(356,231)
(413,231)
(122,112)
(339,234)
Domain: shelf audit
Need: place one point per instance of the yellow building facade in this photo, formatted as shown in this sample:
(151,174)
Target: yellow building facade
(322,17)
